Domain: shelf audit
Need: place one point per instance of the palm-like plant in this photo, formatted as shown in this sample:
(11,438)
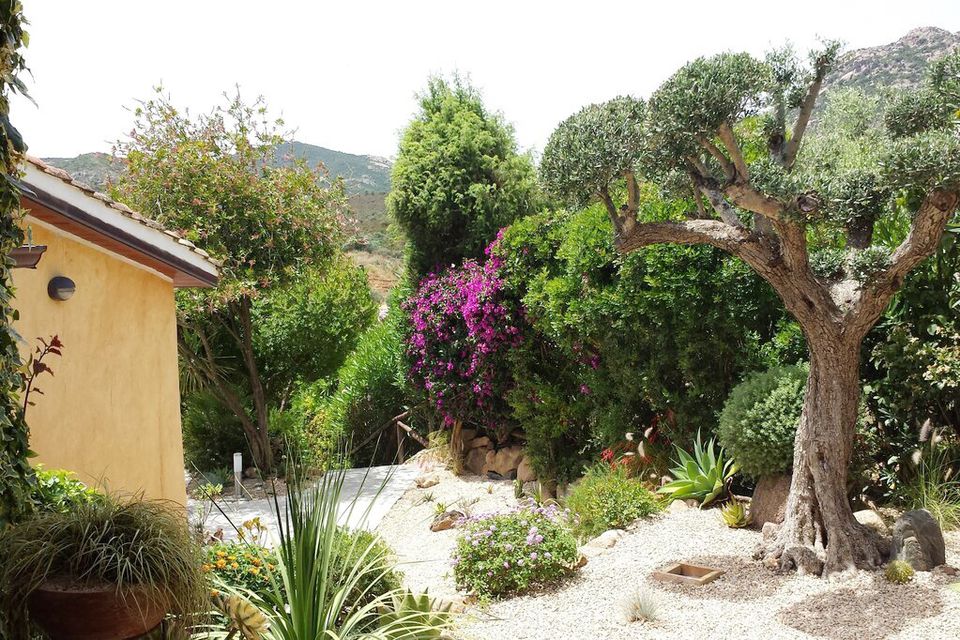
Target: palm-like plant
(703,476)
(313,596)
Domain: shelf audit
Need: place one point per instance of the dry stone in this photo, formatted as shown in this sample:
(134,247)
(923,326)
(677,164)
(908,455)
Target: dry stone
(476,461)
(871,519)
(446,520)
(525,472)
(426,481)
(769,501)
(918,540)
(482,441)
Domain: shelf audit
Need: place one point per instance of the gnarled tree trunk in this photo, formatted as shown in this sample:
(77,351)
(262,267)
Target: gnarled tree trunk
(819,533)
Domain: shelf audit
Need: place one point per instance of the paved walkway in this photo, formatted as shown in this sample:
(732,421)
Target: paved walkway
(367,496)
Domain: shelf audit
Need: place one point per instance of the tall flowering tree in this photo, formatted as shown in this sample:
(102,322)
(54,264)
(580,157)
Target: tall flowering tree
(728,137)
(461,325)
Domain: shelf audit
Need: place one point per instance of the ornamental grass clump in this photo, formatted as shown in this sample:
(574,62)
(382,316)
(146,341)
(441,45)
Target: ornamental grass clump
(511,553)
(137,546)
(609,499)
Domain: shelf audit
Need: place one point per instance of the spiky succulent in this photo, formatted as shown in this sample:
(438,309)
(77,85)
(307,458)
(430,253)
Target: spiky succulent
(734,515)
(702,476)
(415,617)
(899,572)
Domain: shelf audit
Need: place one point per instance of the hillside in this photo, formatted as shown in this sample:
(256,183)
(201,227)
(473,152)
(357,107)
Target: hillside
(899,64)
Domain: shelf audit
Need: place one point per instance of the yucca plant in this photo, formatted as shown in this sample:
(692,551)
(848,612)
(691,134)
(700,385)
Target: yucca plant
(414,609)
(703,476)
(314,593)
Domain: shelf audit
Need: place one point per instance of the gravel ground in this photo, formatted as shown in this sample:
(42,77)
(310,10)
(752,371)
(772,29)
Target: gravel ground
(748,601)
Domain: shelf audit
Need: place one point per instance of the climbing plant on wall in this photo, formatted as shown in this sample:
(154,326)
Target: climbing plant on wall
(15,473)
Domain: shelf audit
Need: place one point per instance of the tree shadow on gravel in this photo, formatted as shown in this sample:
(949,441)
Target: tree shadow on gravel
(743,579)
(870,612)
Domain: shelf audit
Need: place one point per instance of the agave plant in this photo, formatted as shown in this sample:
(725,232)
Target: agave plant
(703,476)
(312,594)
(734,515)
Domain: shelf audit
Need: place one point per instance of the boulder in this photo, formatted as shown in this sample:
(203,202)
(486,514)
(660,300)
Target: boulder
(918,541)
(476,461)
(506,461)
(677,506)
(446,520)
(426,481)
(872,520)
(605,540)
(482,441)
(769,501)
(525,472)
(251,473)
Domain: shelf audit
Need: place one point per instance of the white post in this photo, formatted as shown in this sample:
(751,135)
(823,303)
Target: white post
(237,474)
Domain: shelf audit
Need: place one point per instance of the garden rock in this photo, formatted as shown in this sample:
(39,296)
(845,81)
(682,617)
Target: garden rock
(446,520)
(769,500)
(476,461)
(918,540)
(426,481)
(482,441)
(678,506)
(506,461)
(605,540)
(871,519)
(525,472)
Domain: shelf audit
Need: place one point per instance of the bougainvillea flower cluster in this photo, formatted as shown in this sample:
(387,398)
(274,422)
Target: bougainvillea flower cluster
(461,326)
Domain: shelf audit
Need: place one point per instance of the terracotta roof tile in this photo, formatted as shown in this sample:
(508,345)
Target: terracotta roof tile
(119,206)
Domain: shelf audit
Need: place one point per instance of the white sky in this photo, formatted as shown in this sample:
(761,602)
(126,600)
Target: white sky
(344,73)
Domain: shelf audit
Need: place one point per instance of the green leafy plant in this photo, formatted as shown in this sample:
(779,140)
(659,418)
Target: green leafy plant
(15,502)
(510,553)
(128,543)
(898,572)
(702,476)
(328,582)
(59,491)
(734,514)
(608,498)
(758,423)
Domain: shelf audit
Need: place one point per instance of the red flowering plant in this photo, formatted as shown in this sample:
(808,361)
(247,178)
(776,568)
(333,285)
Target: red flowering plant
(640,455)
(461,326)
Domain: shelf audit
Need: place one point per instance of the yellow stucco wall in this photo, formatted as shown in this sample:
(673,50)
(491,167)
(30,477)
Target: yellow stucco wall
(111,412)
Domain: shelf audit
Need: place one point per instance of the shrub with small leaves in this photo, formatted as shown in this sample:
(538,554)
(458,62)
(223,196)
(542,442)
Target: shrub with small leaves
(609,499)
(899,572)
(239,564)
(869,262)
(758,424)
(510,553)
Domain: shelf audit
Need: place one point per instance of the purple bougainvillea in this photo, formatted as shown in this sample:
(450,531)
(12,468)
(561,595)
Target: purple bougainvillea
(461,326)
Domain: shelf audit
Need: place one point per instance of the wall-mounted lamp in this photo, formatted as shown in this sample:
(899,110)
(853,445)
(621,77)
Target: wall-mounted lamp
(27,256)
(61,288)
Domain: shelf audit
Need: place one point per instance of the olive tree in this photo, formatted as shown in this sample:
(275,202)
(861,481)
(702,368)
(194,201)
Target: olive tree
(729,136)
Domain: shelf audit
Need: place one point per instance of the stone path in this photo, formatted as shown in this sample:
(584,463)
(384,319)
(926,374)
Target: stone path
(367,496)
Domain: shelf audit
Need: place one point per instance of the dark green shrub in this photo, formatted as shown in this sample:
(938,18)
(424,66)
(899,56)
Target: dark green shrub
(370,392)
(759,422)
(608,499)
(211,432)
(510,553)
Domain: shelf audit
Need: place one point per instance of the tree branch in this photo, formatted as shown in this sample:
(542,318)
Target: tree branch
(611,210)
(713,232)
(789,156)
(733,148)
(729,170)
(928,224)
(723,208)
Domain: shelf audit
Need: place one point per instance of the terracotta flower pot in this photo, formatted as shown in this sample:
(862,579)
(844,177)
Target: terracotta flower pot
(80,612)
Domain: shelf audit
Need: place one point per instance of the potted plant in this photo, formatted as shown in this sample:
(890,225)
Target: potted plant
(111,568)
